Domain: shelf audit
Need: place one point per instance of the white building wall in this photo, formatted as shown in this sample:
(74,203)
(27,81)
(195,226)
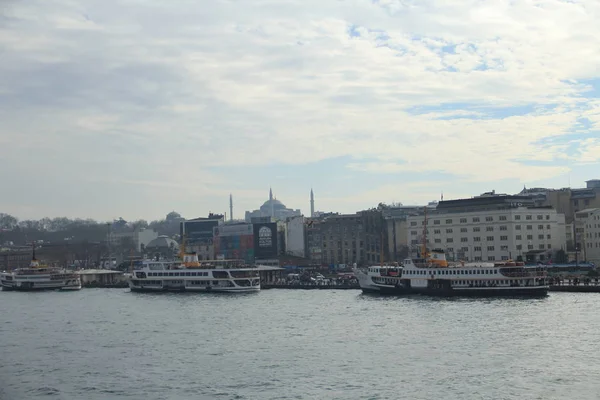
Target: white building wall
(294,236)
(491,235)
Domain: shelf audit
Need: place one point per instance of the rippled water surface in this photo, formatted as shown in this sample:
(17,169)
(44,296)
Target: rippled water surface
(294,344)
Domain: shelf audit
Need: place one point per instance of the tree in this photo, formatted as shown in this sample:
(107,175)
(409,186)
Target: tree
(139,224)
(127,244)
(7,221)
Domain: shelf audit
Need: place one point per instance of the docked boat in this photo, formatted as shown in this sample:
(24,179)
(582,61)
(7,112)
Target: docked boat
(40,277)
(421,276)
(433,275)
(190,274)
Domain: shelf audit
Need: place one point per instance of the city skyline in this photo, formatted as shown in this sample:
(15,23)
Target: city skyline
(119,109)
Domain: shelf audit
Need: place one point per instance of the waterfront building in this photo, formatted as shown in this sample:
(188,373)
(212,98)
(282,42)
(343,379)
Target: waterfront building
(199,234)
(200,230)
(395,217)
(587,231)
(15,257)
(358,238)
(490,227)
(234,241)
(567,201)
(267,246)
(314,241)
(295,238)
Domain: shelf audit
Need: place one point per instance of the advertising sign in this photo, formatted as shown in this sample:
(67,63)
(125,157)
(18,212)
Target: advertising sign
(265,240)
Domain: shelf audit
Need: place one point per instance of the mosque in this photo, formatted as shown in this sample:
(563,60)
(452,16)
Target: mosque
(272,208)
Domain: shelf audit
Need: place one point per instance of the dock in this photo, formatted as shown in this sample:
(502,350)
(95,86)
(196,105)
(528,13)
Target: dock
(102,278)
(310,287)
(575,288)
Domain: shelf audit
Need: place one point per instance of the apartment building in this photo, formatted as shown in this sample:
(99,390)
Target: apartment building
(396,226)
(359,238)
(490,228)
(567,201)
(295,236)
(587,223)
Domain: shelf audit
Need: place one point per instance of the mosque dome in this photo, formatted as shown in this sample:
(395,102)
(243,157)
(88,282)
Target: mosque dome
(276,203)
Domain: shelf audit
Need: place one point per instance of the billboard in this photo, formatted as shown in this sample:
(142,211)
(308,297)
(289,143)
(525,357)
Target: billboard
(265,240)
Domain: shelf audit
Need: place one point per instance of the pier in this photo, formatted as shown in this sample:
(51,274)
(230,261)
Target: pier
(575,288)
(580,284)
(310,287)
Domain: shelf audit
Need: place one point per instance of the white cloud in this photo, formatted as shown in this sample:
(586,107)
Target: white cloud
(182,87)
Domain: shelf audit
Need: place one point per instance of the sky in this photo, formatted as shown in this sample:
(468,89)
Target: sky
(131,108)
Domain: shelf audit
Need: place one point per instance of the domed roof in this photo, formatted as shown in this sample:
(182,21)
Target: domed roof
(275,203)
(173,215)
(163,241)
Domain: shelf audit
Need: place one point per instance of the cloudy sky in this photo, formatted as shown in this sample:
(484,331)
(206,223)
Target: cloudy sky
(135,108)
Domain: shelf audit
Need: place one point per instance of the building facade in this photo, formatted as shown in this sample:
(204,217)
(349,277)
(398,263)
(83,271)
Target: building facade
(295,239)
(567,201)
(587,224)
(234,241)
(499,229)
(199,231)
(359,238)
(396,226)
(314,242)
(266,243)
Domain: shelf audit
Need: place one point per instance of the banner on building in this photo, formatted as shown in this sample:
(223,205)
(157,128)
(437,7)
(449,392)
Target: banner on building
(265,240)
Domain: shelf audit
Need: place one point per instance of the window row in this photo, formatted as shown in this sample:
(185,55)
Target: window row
(487,228)
(177,273)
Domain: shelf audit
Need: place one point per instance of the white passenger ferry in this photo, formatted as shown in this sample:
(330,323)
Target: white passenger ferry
(434,276)
(39,277)
(190,274)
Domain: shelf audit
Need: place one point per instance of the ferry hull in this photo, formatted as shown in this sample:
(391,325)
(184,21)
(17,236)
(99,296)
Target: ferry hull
(532,291)
(14,288)
(194,290)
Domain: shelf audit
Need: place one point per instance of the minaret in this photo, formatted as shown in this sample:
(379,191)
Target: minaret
(271,203)
(312,203)
(230,207)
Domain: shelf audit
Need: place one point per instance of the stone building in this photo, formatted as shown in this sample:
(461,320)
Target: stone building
(490,228)
(359,238)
